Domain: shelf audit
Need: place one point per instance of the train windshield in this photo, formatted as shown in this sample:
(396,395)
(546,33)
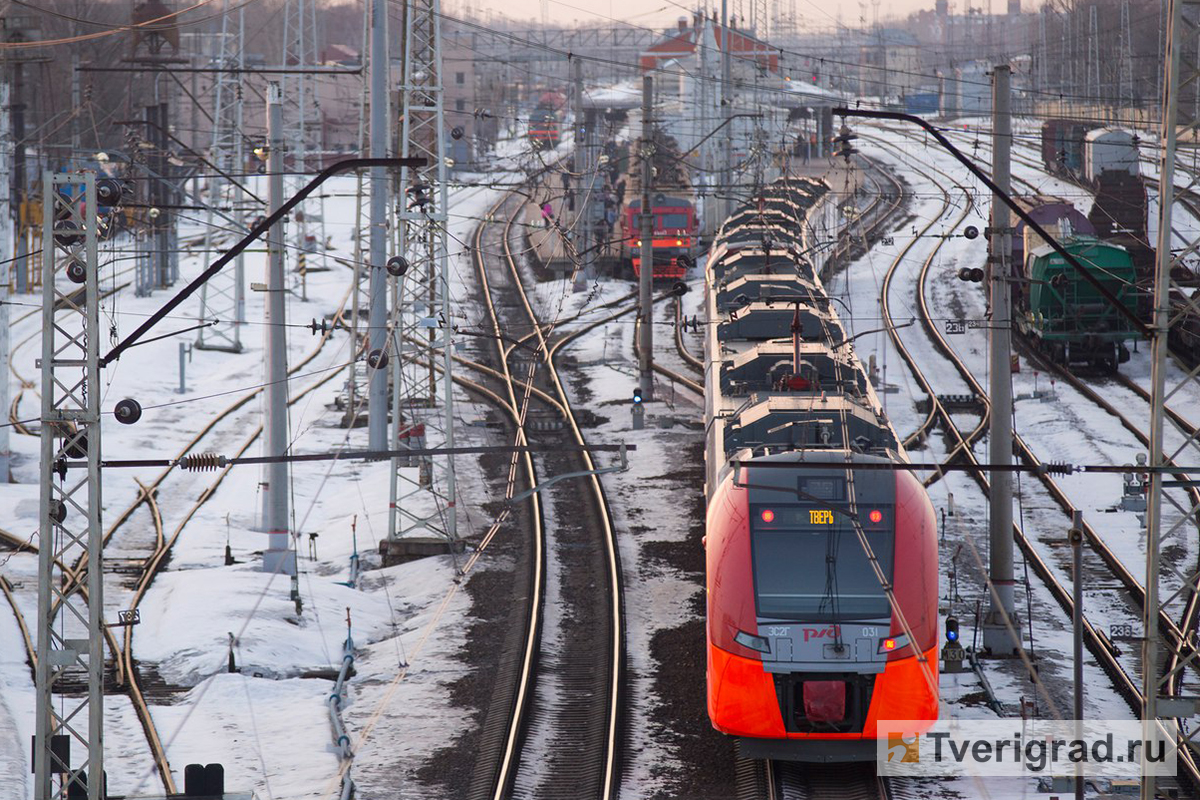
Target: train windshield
(671,221)
(809,563)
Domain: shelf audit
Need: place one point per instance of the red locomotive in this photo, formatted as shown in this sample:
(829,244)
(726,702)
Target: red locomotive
(822,566)
(674,235)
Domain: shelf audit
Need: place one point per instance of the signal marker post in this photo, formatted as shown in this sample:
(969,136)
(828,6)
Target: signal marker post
(1001,618)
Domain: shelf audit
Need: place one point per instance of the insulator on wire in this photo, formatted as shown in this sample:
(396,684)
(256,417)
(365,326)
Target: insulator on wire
(76,272)
(202,462)
(128,411)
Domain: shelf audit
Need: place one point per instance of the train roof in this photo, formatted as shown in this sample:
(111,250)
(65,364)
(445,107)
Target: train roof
(667,201)
(762,366)
(742,289)
(1074,243)
(830,422)
(765,321)
(756,261)
(850,456)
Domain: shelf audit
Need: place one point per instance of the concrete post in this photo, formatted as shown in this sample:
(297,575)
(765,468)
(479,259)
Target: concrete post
(1001,616)
(377,392)
(278,556)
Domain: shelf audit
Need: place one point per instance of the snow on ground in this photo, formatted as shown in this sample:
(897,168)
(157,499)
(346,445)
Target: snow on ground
(272,732)
(1068,428)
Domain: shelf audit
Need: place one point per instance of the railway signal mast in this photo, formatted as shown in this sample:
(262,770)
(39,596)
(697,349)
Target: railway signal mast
(421,319)
(1165,513)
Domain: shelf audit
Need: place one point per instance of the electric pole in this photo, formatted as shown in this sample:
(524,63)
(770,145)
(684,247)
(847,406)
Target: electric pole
(422,318)
(69,530)
(726,188)
(1001,616)
(279,556)
(222,297)
(377,390)
(646,276)
(584,175)
(1167,513)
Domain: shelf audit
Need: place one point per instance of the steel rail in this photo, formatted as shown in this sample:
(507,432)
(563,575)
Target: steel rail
(612,577)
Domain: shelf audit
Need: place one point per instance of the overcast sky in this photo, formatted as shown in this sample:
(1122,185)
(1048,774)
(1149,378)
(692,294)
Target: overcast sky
(820,14)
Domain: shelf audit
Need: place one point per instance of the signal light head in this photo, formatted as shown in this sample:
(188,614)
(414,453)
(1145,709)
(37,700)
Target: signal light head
(637,396)
(951,629)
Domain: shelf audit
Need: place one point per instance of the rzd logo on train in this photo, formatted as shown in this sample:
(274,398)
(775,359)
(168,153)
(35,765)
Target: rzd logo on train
(831,632)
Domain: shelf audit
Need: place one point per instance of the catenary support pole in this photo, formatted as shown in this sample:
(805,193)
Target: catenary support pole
(1001,618)
(68,749)
(7,285)
(278,556)
(725,189)
(646,277)
(1075,537)
(377,391)
(582,182)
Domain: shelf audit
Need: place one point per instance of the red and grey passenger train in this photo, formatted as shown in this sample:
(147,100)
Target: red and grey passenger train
(822,570)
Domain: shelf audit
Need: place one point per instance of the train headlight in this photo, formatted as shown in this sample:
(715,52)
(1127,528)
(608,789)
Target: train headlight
(893,643)
(876,516)
(759,643)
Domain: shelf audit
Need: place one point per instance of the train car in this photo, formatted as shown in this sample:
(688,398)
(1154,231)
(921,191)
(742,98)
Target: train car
(1184,336)
(1119,215)
(1066,317)
(1104,161)
(1109,150)
(674,235)
(806,650)
(1063,145)
(543,128)
(1046,210)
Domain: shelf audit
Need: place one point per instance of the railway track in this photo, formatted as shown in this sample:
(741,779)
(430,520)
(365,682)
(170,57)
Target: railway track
(1191,612)
(553,725)
(125,672)
(789,780)
(1099,645)
(673,375)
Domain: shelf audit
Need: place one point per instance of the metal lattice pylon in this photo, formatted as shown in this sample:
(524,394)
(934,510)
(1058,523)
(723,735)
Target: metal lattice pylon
(302,124)
(222,297)
(70,606)
(421,327)
(1168,508)
(354,392)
